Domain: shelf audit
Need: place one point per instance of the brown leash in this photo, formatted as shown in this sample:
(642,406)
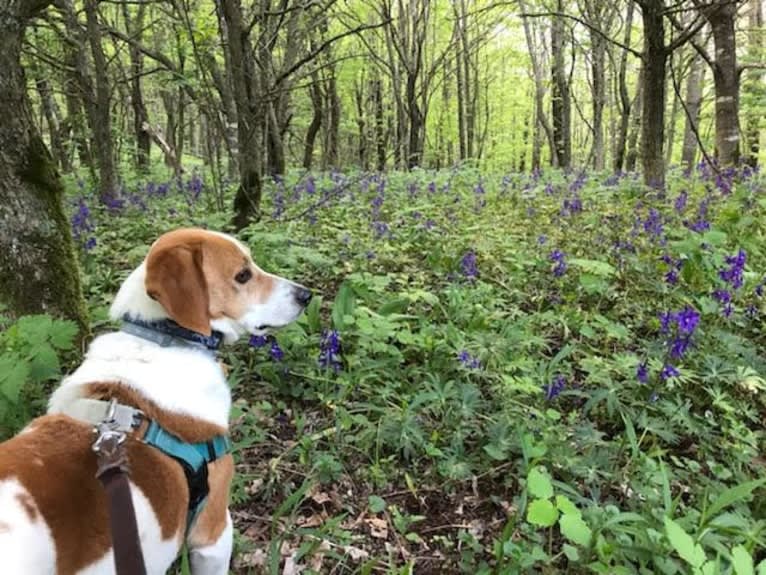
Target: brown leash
(112,472)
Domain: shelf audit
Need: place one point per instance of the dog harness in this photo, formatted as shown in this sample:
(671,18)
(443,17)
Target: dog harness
(193,457)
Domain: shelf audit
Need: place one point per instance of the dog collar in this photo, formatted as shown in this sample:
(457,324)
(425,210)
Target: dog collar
(167,333)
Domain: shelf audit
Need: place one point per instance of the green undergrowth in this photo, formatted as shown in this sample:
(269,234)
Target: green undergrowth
(545,373)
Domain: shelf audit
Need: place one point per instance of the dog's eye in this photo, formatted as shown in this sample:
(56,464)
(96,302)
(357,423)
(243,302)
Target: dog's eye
(244,276)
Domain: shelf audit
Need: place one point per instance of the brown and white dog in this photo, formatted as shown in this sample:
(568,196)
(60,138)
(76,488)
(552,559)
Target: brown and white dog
(53,513)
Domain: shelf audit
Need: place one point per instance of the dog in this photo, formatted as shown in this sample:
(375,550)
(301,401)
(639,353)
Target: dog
(195,288)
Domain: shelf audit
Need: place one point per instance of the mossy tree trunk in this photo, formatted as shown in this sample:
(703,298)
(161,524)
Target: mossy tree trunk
(38,267)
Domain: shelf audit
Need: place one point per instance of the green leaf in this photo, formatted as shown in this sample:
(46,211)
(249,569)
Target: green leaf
(312,314)
(571,552)
(575,529)
(566,506)
(376,503)
(343,306)
(683,543)
(732,495)
(539,484)
(541,512)
(762,567)
(13,375)
(398,305)
(45,364)
(62,334)
(742,561)
(594,267)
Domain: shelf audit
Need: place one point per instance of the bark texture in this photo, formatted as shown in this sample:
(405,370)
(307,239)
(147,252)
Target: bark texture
(38,267)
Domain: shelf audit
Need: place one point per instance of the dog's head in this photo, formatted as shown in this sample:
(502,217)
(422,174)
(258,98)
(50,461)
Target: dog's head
(208,281)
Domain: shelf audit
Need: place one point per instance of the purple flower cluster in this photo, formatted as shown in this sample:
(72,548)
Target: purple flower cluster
(82,225)
(468,360)
(275,351)
(468,265)
(732,275)
(329,351)
(560,264)
(554,388)
(679,327)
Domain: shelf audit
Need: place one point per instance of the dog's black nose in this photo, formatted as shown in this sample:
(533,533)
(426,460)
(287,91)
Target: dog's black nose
(303,296)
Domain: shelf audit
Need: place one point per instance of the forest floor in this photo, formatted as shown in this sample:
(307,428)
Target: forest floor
(522,373)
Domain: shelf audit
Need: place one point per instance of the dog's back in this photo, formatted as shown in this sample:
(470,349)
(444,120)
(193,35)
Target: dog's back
(53,513)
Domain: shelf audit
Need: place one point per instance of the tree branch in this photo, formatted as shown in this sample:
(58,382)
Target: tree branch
(284,74)
(588,25)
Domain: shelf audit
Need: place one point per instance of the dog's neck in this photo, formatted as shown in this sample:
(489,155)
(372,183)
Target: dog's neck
(133,301)
(182,381)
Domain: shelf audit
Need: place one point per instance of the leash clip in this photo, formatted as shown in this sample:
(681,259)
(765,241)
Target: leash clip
(108,434)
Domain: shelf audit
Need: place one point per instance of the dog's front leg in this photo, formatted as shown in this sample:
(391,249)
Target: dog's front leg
(211,538)
(214,559)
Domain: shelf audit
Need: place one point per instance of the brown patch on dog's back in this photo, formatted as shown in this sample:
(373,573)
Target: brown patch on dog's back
(73,503)
(28,503)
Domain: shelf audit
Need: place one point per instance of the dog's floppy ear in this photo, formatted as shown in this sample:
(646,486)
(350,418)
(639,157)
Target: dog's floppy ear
(174,278)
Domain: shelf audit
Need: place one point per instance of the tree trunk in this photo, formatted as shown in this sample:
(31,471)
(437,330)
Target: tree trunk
(625,103)
(361,124)
(140,116)
(102,126)
(315,91)
(653,94)
(540,121)
(333,120)
(756,44)
(561,106)
(598,74)
(247,201)
(693,106)
(53,119)
(38,267)
(380,125)
(631,156)
(674,109)
(721,16)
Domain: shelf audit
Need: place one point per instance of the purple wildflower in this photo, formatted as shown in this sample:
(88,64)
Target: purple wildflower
(468,265)
(687,320)
(560,267)
(733,274)
(669,371)
(680,202)
(642,372)
(276,352)
(90,244)
(257,341)
(553,389)
(468,360)
(329,350)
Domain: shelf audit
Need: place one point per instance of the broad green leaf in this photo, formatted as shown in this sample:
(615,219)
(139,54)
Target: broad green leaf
(566,506)
(312,314)
(541,512)
(539,484)
(575,529)
(44,364)
(62,334)
(742,561)
(683,543)
(376,503)
(343,306)
(13,375)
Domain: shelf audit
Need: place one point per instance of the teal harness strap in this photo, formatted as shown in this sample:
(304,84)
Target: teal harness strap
(193,458)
